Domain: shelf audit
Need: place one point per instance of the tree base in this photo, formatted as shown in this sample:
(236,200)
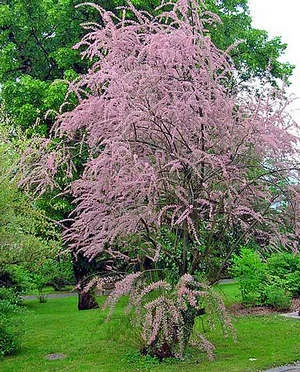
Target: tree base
(161,352)
(86,301)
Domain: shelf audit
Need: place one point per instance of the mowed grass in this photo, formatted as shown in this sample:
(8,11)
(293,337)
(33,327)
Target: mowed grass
(91,344)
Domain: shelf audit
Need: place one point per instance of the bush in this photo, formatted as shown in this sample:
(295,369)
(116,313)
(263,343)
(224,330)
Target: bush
(273,282)
(8,295)
(250,272)
(286,266)
(277,297)
(165,314)
(293,283)
(15,277)
(9,338)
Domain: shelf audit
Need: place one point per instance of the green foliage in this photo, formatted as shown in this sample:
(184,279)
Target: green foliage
(61,273)
(36,54)
(213,250)
(272,282)
(33,35)
(9,341)
(286,266)
(54,272)
(277,297)
(15,277)
(171,253)
(9,301)
(28,99)
(31,277)
(35,50)
(29,242)
(26,235)
(9,335)
(142,362)
(250,272)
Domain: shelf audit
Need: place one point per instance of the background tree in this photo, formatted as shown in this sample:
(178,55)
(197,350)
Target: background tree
(29,240)
(169,146)
(36,51)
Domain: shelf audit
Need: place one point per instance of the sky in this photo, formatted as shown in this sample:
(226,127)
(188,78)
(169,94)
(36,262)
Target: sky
(281,18)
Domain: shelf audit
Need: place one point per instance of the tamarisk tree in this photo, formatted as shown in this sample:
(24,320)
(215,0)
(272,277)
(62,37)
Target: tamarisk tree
(170,146)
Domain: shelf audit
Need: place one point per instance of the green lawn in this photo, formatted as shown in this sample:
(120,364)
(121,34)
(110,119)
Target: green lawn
(91,344)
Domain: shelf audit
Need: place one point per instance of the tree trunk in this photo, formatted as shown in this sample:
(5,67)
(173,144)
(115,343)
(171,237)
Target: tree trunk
(82,270)
(160,352)
(183,269)
(189,320)
(86,301)
(166,350)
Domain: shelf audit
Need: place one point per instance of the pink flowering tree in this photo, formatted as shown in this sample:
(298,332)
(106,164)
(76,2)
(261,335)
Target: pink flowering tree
(171,148)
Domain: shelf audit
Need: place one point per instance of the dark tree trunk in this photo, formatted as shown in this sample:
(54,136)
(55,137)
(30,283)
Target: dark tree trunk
(86,301)
(82,270)
(189,320)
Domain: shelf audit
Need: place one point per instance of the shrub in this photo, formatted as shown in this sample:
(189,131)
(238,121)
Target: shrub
(9,296)
(165,313)
(250,272)
(15,277)
(271,283)
(9,338)
(277,297)
(293,283)
(287,267)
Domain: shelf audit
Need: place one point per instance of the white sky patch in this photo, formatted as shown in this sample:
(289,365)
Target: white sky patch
(281,18)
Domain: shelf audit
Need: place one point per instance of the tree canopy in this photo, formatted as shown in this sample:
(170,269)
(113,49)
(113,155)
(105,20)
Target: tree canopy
(169,145)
